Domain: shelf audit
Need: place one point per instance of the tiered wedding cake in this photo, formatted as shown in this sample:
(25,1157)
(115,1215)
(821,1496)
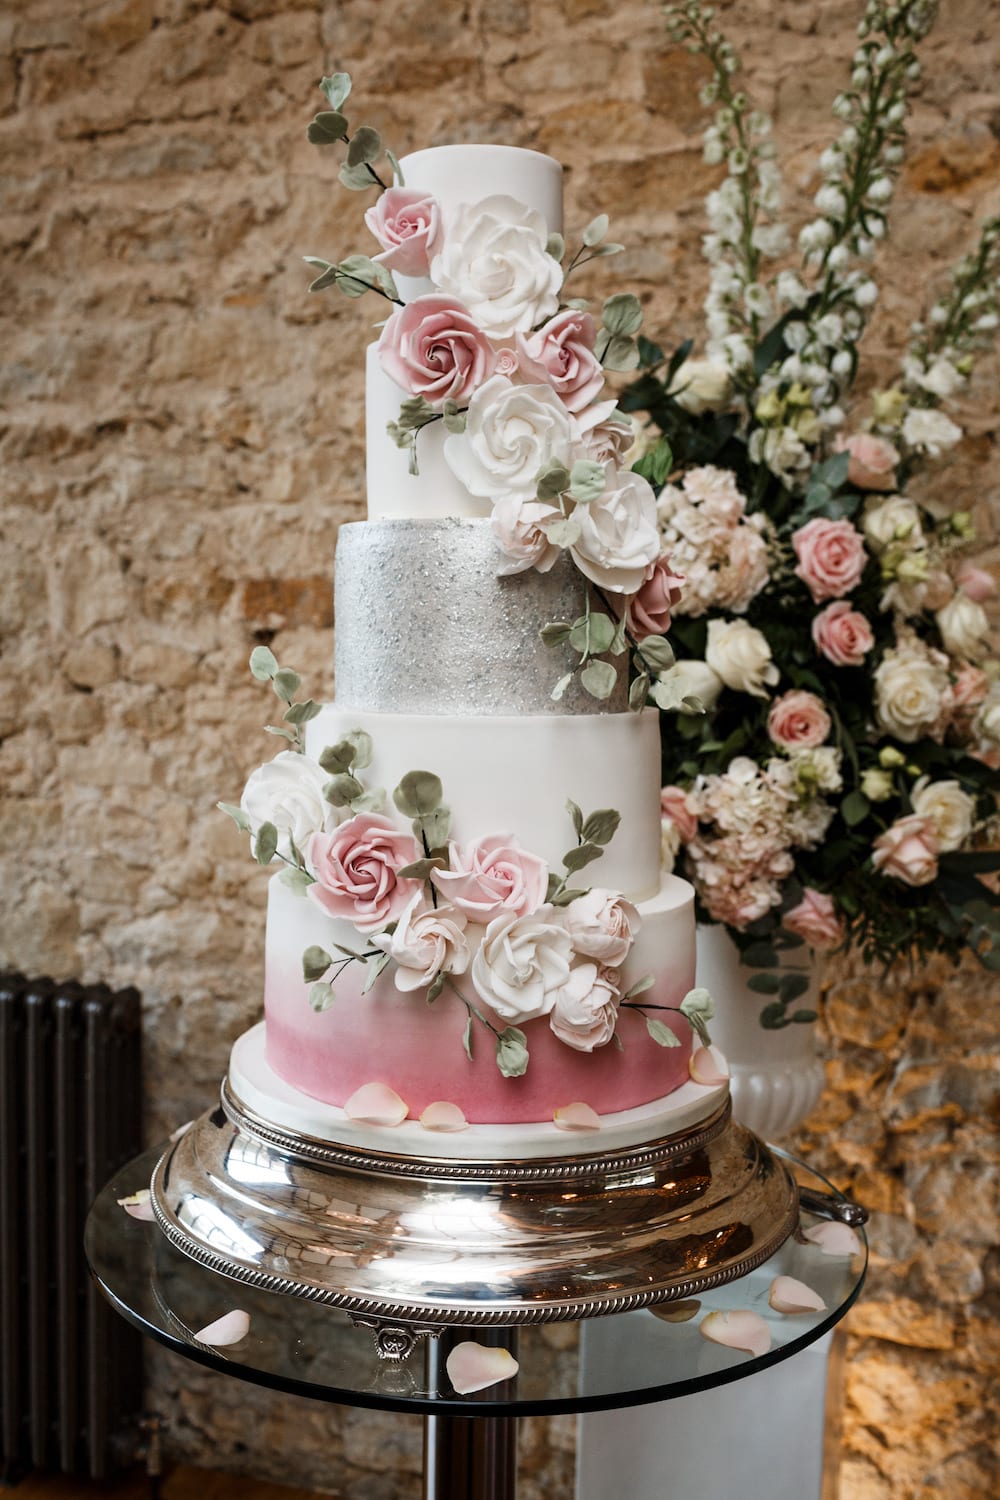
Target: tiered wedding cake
(471,950)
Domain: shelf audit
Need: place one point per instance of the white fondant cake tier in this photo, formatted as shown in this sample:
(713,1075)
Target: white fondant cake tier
(262,1090)
(514,774)
(395,1038)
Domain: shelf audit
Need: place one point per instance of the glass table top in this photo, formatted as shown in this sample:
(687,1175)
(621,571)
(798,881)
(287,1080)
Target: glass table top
(625,1359)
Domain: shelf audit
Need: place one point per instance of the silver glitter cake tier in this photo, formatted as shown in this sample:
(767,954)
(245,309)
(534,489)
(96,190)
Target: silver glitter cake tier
(425,625)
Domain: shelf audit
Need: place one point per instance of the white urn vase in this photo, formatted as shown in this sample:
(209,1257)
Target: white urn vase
(776,1075)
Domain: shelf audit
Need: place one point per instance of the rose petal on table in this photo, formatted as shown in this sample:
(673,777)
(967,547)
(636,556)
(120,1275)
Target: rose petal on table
(677,1312)
(376,1104)
(708,1066)
(139,1205)
(741,1329)
(181,1130)
(443,1116)
(786,1295)
(228,1329)
(472,1367)
(833,1238)
(578,1116)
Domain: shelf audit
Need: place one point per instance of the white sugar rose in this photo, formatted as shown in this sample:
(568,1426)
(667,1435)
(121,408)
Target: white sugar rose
(912,691)
(741,656)
(602,925)
(585,1012)
(288,792)
(894,520)
(517,525)
(511,432)
(426,941)
(963,625)
(521,963)
(494,261)
(701,385)
(949,809)
(619,538)
(930,431)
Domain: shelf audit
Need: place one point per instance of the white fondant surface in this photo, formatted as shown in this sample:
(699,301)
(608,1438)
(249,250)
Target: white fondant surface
(269,1096)
(514,774)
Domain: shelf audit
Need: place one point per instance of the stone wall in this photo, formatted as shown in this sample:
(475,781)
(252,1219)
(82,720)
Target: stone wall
(181,436)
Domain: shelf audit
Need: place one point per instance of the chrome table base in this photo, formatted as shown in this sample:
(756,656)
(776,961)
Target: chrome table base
(413,1245)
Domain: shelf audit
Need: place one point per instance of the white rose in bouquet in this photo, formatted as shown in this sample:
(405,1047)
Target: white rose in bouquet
(930,431)
(912,691)
(893,521)
(963,625)
(694,679)
(741,656)
(494,261)
(288,792)
(521,963)
(511,432)
(619,539)
(701,385)
(986,724)
(949,809)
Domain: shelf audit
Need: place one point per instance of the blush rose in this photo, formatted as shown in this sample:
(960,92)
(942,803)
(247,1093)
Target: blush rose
(798,721)
(675,805)
(831,557)
(356,868)
(816,919)
(908,850)
(872,462)
(433,348)
(648,611)
(585,1011)
(602,925)
(561,354)
(407,224)
(493,877)
(842,634)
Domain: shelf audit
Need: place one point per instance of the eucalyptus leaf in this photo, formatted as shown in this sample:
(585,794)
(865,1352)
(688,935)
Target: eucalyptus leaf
(342,789)
(639,988)
(436,986)
(397,170)
(358,179)
(581,856)
(328,278)
(565,532)
(622,314)
(619,641)
(512,1052)
(773,1017)
(567,897)
(601,826)
(301,713)
(421,868)
(576,816)
(555,632)
(286,684)
(373,969)
(764,984)
(418,793)
(263,663)
(620,353)
(657,653)
(361,742)
(328,126)
(237,814)
(365,147)
(587,480)
(297,881)
(315,962)
(372,800)
(265,844)
(453,419)
(284,734)
(596,230)
(599,678)
(602,632)
(339,757)
(415,412)
(434,826)
(661,1033)
(609,249)
(552,481)
(804,1016)
(555,246)
(638,693)
(561,687)
(336,88)
(321,996)
(358,274)
(793,986)
(467,1039)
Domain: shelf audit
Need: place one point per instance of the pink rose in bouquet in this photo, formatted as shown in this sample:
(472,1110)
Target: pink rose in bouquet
(407,224)
(908,850)
(976,582)
(842,634)
(356,871)
(493,877)
(675,804)
(433,348)
(831,557)
(798,721)
(648,611)
(873,461)
(816,919)
(561,354)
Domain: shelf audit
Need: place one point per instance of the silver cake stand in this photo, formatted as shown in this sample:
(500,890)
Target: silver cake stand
(409,1245)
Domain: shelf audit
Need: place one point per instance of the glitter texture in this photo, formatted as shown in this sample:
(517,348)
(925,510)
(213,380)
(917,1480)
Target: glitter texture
(425,625)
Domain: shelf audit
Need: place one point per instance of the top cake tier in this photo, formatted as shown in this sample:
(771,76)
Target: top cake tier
(455,176)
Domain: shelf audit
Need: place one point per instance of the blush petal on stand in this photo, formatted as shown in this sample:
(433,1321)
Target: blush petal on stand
(376,1104)
(740,1329)
(228,1329)
(473,1367)
(443,1116)
(139,1206)
(833,1239)
(577,1116)
(786,1295)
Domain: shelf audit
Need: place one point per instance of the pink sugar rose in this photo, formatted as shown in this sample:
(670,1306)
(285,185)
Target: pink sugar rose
(507,363)
(407,224)
(842,634)
(648,611)
(561,354)
(493,877)
(675,805)
(798,721)
(433,348)
(816,919)
(976,582)
(872,463)
(908,850)
(356,871)
(831,557)
(585,1011)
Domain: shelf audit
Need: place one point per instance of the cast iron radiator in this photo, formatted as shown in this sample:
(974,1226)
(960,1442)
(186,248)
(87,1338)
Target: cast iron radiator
(70,1100)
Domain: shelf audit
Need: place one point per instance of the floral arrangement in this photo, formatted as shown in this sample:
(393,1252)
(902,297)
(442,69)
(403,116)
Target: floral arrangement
(839,786)
(490,347)
(532,942)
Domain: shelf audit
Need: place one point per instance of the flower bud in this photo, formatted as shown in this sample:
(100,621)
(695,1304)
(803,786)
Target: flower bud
(889,757)
(876,785)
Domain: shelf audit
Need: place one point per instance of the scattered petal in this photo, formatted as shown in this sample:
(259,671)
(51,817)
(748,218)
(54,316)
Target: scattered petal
(576,1117)
(181,1130)
(833,1238)
(677,1312)
(228,1329)
(472,1367)
(741,1329)
(786,1295)
(139,1205)
(375,1104)
(443,1116)
(708,1066)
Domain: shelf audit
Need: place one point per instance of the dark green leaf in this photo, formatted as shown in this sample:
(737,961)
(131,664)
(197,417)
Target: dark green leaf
(854,808)
(576,815)
(764,984)
(759,956)
(365,147)
(773,1017)
(793,986)
(601,826)
(341,790)
(582,855)
(328,126)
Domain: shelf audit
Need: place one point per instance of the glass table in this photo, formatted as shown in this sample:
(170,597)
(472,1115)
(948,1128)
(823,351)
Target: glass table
(314,1350)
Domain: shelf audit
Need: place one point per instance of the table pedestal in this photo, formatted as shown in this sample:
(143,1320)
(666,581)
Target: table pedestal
(470,1458)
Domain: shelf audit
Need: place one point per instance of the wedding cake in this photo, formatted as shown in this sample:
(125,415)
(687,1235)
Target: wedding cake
(471,950)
